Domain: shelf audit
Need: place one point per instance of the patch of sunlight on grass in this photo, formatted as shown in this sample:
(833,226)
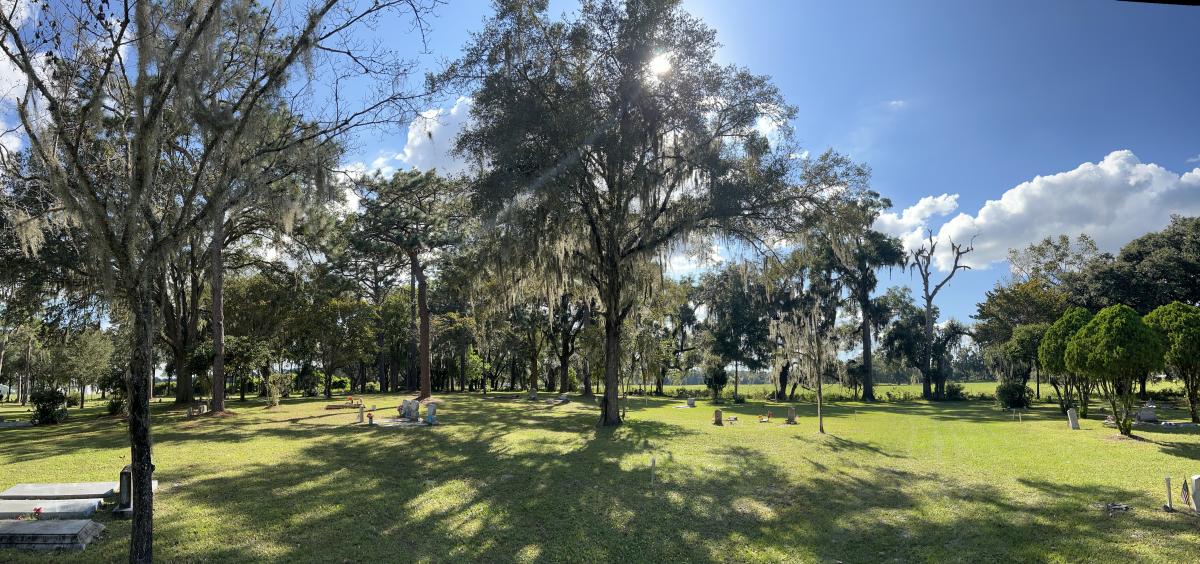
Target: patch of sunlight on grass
(441,500)
(753,508)
(529,553)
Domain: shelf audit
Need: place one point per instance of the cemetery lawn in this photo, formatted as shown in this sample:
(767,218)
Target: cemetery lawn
(511,480)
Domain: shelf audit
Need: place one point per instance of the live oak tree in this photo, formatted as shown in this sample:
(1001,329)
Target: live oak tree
(619,124)
(738,318)
(1114,349)
(110,92)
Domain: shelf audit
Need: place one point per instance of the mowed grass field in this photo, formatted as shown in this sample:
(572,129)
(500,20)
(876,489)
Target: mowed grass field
(510,480)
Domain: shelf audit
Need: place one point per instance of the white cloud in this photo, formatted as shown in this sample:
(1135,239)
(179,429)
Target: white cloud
(691,261)
(1114,200)
(1195,159)
(431,138)
(910,224)
(896,104)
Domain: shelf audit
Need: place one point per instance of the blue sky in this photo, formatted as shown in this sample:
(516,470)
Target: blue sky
(1004,121)
(1087,114)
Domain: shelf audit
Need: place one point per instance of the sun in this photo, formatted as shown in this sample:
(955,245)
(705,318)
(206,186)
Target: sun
(660,65)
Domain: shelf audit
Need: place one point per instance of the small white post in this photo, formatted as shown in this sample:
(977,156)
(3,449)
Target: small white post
(1168,506)
(361,409)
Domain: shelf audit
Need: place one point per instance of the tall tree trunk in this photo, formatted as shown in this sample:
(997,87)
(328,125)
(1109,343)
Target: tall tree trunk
(610,413)
(868,376)
(1142,395)
(587,378)
(413,372)
(927,353)
(820,404)
(82,393)
(564,369)
(736,366)
(141,374)
(218,313)
(423,310)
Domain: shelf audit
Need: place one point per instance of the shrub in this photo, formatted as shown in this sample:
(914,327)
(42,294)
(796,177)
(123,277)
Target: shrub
(715,379)
(1013,395)
(72,401)
(955,392)
(277,387)
(339,383)
(372,387)
(116,406)
(49,406)
(307,381)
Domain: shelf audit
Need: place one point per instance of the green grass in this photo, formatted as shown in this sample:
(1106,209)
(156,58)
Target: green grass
(511,480)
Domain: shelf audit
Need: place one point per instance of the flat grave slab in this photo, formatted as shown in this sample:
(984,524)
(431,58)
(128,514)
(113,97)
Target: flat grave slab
(74,490)
(51,508)
(74,534)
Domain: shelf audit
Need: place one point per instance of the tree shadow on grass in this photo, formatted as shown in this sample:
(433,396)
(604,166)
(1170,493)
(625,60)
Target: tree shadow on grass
(521,483)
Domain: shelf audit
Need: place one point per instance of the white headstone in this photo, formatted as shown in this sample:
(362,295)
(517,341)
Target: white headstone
(431,413)
(360,414)
(1194,484)
(1073,419)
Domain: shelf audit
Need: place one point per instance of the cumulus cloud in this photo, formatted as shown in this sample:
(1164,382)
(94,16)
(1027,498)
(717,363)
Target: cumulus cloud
(910,224)
(431,137)
(690,260)
(1114,200)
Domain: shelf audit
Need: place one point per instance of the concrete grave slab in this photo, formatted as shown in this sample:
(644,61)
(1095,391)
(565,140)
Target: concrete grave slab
(74,490)
(51,508)
(74,534)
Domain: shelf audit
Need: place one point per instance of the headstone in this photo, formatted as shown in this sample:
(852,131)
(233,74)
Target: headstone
(1146,413)
(203,408)
(50,508)
(791,418)
(191,412)
(1194,483)
(717,419)
(361,409)
(49,534)
(691,402)
(1073,419)
(562,397)
(125,500)
(431,413)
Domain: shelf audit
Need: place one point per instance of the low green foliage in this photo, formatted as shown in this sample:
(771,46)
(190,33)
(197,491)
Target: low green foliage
(1013,395)
(49,406)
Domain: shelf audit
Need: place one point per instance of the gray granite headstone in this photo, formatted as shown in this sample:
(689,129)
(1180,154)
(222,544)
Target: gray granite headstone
(1073,419)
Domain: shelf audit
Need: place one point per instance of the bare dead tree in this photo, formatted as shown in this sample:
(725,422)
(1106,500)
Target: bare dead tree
(921,261)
